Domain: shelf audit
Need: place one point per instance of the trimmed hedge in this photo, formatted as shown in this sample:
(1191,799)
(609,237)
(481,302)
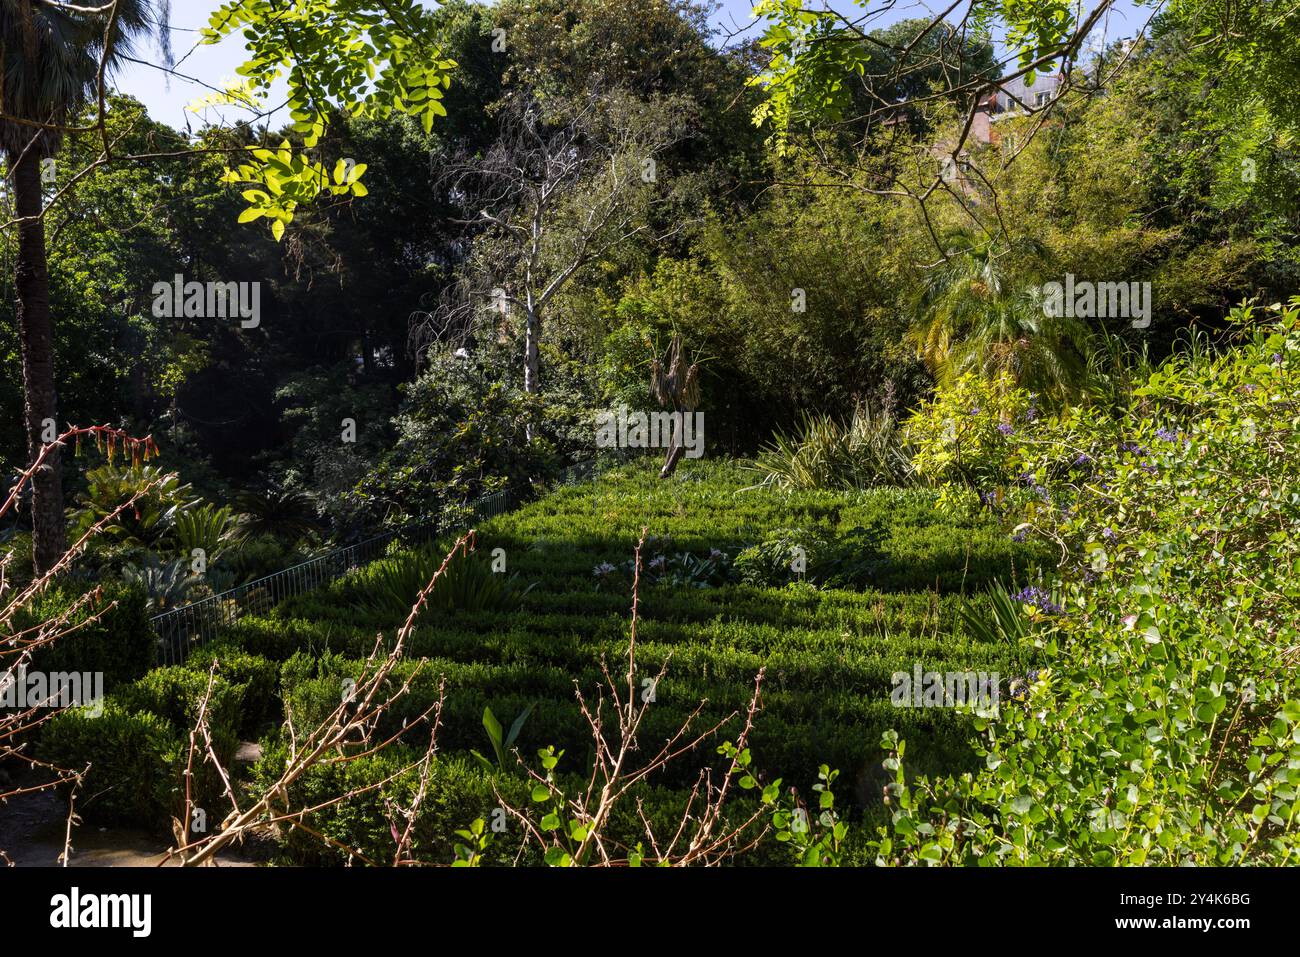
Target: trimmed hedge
(131,779)
(459,792)
(175,694)
(903,569)
(120,643)
(258,679)
(137,749)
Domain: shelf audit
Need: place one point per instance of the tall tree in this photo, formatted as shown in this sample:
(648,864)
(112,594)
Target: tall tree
(55,59)
(560,189)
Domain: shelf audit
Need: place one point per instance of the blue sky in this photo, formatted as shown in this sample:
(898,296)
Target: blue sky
(166,97)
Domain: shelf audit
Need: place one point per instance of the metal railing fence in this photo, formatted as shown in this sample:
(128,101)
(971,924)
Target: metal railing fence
(180,630)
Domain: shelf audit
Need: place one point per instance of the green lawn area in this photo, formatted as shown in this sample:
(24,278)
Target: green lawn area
(829,652)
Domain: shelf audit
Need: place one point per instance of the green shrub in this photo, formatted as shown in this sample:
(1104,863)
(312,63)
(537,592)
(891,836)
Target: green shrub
(277,639)
(131,781)
(1161,730)
(459,791)
(138,748)
(826,454)
(257,678)
(960,435)
(175,694)
(947,556)
(257,556)
(461,434)
(119,643)
(785,555)
(18,547)
(388,588)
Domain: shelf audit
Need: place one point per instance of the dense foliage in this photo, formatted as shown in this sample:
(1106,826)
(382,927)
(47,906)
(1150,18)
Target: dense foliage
(485,228)
(1163,726)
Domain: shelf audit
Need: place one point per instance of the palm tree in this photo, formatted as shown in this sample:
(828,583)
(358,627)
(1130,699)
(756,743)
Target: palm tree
(52,58)
(972,315)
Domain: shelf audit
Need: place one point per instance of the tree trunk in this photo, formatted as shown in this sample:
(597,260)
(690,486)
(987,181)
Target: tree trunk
(32,279)
(532,358)
(532,362)
(676,447)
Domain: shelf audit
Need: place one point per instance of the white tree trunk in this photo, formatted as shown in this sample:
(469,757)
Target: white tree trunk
(532,359)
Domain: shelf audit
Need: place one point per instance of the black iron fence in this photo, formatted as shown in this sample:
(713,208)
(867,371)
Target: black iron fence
(180,630)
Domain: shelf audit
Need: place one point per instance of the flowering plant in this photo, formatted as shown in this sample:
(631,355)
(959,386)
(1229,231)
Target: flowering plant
(1167,728)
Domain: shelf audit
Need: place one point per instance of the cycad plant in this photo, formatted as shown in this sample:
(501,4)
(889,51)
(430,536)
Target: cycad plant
(53,56)
(165,584)
(282,513)
(204,527)
(162,497)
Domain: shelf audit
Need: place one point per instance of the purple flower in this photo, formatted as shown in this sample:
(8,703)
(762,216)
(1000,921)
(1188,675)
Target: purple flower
(1165,435)
(1006,429)
(1108,533)
(1033,595)
(1029,481)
